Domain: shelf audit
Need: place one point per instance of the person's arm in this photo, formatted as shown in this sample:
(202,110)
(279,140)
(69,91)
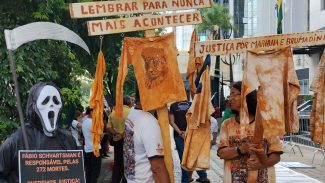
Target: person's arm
(159,169)
(110,125)
(262,161)
(228,153)
(214,130)
(173,124)
(224,151)
(214,138)
(266,159)
(112,131)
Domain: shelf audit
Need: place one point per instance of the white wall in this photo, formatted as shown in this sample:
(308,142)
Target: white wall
(183,37)
(295,15)
(238,68)
(266,17)
(295,18)
(317,16)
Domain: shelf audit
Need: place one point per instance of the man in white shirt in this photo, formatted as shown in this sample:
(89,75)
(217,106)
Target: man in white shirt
(92,163)
(75,128)
(143,149)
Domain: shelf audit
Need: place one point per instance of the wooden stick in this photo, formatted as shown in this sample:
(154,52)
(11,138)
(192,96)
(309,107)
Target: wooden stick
(164,128)
(165,133)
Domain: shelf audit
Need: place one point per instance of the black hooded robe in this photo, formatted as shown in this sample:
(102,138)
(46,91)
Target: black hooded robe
(9,168)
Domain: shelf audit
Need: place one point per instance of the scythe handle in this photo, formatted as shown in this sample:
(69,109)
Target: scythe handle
(20,111)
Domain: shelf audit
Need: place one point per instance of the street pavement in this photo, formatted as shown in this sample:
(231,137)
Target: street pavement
(315,174)
(318,172)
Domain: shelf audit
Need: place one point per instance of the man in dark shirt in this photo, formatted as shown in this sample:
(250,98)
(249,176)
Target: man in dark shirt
(177,120)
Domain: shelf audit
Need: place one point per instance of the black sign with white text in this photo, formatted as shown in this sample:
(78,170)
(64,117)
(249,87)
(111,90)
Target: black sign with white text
(51,166)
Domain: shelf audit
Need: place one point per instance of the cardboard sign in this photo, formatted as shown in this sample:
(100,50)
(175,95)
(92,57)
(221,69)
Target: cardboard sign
(231,46)
(109,8)
(52,166)
(110,26)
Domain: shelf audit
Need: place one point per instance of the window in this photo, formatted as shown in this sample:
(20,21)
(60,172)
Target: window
(304,86)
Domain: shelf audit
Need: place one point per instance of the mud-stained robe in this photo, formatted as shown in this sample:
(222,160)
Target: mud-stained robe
(156,70)
(317,116)
(194,64)
(196,154)
(273,74)
(97,102)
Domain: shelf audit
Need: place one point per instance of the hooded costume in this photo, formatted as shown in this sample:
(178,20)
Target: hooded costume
(43,107)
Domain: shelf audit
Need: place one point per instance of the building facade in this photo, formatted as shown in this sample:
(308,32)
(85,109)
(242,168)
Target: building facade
(259,18)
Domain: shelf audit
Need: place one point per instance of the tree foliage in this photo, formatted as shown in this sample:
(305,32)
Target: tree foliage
(217,20)
(62,63)
(214,18)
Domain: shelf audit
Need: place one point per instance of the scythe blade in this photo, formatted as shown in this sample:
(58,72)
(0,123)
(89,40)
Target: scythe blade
(41,30)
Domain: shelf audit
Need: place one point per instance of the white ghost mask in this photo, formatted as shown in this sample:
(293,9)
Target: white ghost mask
(48,106)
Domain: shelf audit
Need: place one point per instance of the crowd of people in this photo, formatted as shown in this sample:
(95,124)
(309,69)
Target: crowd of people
(137,140)
(138,143)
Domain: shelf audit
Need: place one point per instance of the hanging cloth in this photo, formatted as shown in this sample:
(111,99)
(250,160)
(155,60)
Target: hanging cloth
(156,70)
(194,64)
(97,102)
(196,154)
(317,116)
(274,75)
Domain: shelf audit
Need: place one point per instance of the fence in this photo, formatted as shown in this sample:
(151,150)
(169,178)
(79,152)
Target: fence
(303,138)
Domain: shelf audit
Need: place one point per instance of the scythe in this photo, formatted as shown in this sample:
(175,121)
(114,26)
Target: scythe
(30,32)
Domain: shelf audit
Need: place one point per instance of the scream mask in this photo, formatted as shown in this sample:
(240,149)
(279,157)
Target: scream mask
(46,104)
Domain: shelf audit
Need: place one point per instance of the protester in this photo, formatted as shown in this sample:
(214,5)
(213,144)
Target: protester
(75,128)
(143,148)
(214,130)
(116,125)
(236,145)
(177,120)
(42,113)
(92,163)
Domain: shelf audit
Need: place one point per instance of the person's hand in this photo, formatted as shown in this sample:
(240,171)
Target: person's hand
(117,137)
(260,154)
(245,148)
(79,125)
(182,134)
(254,164)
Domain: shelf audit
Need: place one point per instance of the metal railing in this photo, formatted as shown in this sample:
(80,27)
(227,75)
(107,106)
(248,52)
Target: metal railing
(295,140)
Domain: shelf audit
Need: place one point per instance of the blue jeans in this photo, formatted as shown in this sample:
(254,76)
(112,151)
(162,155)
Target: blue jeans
(179,141)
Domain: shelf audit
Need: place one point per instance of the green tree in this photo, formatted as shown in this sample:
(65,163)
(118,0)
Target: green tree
(217,20)
(67,65)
